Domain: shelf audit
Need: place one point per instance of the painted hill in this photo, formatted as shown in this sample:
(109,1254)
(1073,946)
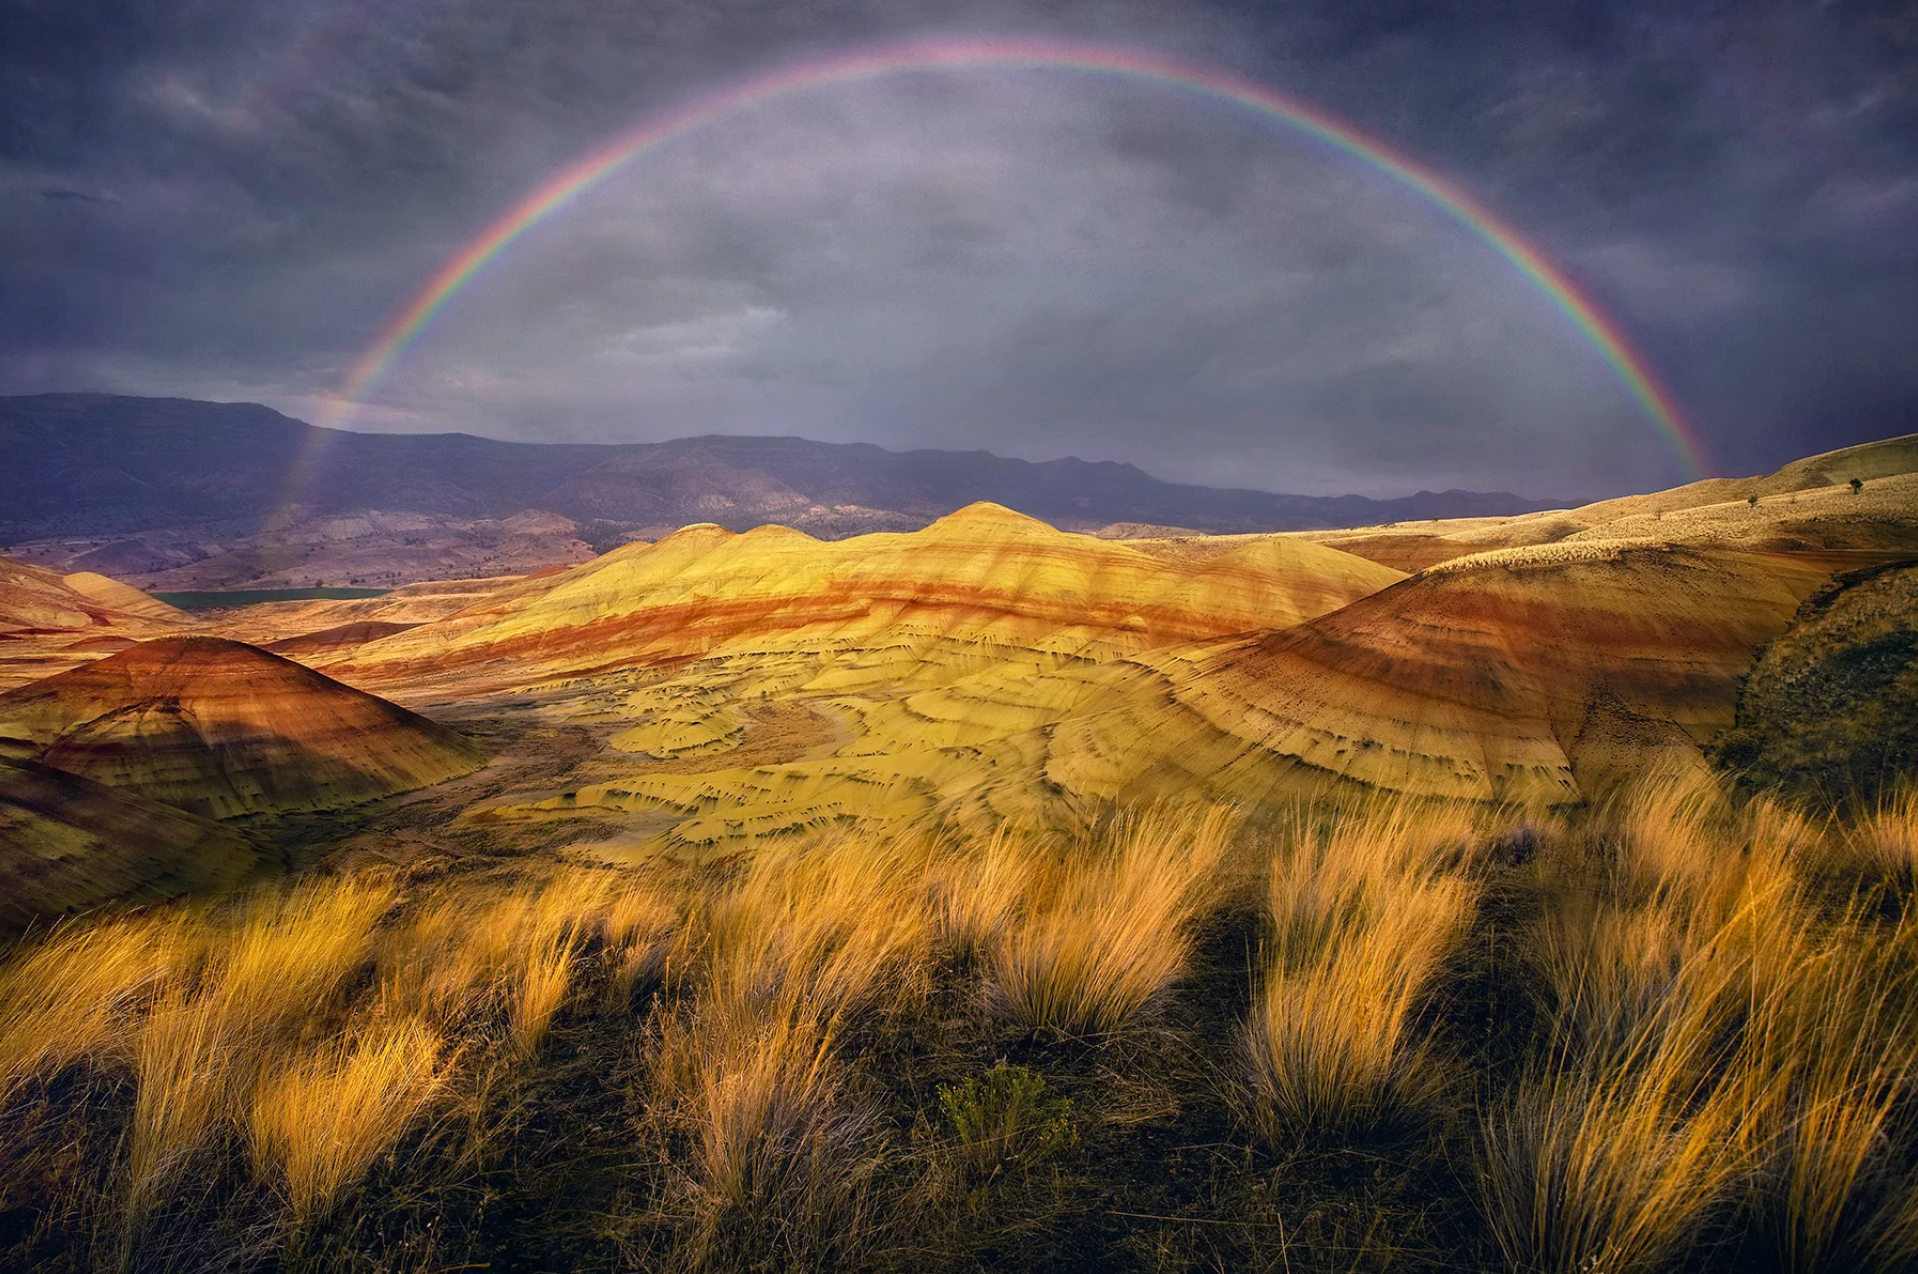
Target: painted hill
(985,578)
(264,623)
(1808,504)
(50,622)
(33,599)
(1528,675)
(221,728)
(68,844)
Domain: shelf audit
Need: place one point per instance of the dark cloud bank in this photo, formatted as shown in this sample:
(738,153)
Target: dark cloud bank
(223,199)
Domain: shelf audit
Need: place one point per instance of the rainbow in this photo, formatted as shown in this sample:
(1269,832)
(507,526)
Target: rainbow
(1603,333)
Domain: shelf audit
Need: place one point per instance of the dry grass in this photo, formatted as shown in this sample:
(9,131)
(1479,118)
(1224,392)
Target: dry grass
(1108,928)
(280,964)
(321,1116)
(78,994)
(512,949)
(745,1074)
(774,1140)
(1882,848)
(238,1023)
(1362,918)
(1714,1064)
(1723,1058)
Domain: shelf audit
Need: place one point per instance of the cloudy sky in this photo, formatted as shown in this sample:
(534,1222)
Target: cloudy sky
(229,199)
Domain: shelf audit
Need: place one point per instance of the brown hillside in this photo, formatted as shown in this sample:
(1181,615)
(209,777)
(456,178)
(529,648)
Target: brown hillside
(222,728)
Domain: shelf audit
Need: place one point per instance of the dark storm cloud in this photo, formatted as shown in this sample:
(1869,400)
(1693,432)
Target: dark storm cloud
(228,200)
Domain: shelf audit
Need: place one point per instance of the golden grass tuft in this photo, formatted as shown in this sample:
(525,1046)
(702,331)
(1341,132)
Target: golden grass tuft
(810,938)
(1723,1054)
(280,962)
(77,995)
(1108,928)
(1362,918)
(1882,847)
(512,950)
(774,1140)
(321,1116)
(541,982)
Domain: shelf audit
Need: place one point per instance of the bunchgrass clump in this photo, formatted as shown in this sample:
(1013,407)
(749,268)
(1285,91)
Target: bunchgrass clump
(1363,915)
(1108,928)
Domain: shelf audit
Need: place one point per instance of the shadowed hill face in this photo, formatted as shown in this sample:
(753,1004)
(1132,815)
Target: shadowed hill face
(339,637)
(984,576)
(1831,708)
(68,844)
(221,728)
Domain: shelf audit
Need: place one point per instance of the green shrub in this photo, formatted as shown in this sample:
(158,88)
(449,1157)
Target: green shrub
(1004,1117)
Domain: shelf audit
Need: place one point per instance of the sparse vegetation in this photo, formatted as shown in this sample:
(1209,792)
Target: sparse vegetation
(1675,1032)
(1006,1115)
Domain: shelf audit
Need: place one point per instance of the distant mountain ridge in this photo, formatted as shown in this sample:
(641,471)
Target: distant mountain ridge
(102,464)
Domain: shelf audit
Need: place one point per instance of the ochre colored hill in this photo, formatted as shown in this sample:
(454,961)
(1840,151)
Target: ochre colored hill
(1531,676)
(984,576)
(1527,675)
(221,728)
(50,622)
(34,599)
(266,622)
(1806,505)
(123,598)
(68,844)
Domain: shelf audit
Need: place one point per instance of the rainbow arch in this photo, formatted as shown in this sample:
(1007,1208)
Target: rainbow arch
(1637,376)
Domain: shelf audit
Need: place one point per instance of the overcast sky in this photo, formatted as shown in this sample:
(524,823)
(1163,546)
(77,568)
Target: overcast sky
(228,199)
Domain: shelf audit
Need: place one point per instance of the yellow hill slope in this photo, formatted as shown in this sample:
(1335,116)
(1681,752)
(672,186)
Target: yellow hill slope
(1806,505)
(984,576)
(50,622)
(1536,676)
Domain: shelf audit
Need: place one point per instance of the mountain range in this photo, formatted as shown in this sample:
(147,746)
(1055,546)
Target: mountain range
(79,465)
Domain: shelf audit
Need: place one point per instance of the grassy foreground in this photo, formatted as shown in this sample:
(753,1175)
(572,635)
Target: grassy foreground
(1669,1034)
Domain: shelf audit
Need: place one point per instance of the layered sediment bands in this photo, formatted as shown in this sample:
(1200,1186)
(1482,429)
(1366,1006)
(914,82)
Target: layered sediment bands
(932,662)
(50,622)
(340,637)
(36,599)
(68,844)
(415,604)
(1523,675)
(220,728)
(985,576)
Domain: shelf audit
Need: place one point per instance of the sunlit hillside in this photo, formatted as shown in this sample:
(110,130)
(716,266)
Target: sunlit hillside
(985,897)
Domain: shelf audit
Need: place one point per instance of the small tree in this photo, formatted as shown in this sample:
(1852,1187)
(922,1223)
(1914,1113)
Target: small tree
(1857,485)
(1752,500)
